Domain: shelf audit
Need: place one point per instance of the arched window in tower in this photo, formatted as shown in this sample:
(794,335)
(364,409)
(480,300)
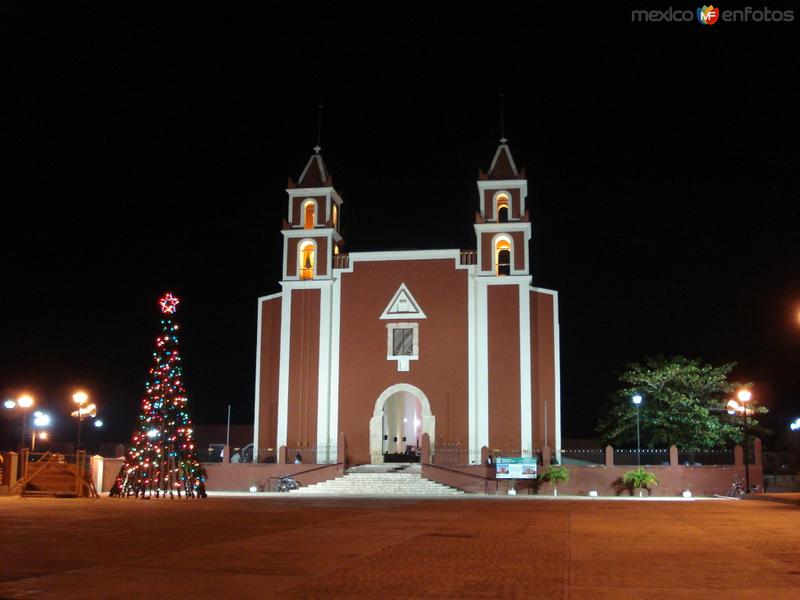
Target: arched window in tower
(309,214)
(308,256)
(502,208)
(335,216)
(502,256)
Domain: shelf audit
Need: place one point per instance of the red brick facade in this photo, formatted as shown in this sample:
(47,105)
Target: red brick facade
(469,349)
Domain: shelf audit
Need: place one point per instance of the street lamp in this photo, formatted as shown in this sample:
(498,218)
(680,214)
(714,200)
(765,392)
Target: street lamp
(744,397)
(80,398)
(40,420)
(795,425)
(24,402)
(637,400)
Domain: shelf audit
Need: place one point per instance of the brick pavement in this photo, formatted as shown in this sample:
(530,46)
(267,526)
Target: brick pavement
(243,548)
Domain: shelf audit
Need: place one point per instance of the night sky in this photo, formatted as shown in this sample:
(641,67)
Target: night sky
(148,149)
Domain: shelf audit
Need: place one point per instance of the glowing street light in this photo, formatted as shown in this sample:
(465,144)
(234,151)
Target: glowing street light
(637,400)
(40,420)
(734,407)
(24,402)
(795,425)
(81,398)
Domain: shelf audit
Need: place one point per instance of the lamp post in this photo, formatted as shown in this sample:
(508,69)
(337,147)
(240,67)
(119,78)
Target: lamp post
(40,420)
(81,398)
(637,400)
(24,402)
(733,407)
(744,397)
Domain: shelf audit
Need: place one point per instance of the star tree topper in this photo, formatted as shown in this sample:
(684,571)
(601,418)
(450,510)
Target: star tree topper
(169,304)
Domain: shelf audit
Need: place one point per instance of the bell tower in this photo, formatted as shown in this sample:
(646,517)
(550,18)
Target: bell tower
(502,225)
(311,232)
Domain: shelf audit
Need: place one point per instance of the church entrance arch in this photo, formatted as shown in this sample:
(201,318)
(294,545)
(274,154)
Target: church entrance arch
(401,411)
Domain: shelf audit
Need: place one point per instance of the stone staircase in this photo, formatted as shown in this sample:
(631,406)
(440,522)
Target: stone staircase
(380,480)
(53,476)
(54,480)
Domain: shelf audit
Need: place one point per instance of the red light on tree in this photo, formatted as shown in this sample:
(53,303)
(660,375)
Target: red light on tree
(169,304)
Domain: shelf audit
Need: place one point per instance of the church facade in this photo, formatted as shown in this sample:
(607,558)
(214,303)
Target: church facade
(387,346)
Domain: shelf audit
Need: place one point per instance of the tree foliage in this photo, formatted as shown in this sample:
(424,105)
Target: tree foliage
(684,404)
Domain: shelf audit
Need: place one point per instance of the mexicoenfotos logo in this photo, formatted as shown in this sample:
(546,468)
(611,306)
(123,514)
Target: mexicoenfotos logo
(707,15)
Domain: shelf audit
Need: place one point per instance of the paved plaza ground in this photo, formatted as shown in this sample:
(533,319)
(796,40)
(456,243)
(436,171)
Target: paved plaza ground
(285,547)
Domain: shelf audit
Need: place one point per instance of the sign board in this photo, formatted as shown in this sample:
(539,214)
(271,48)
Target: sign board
(515,467)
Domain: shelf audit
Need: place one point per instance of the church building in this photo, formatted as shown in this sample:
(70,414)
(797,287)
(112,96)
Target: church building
(384,347)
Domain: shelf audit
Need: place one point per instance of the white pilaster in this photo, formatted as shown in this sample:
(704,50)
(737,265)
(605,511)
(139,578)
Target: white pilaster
(333,421)
(283,371)
(258,381)
(324,442)
(482,363)
(526,429)
(472,406)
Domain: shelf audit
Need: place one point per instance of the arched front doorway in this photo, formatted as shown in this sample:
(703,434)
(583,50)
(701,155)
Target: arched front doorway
(401,411)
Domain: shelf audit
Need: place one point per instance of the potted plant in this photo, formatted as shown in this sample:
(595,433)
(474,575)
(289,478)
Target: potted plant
(639,479)
(554,475)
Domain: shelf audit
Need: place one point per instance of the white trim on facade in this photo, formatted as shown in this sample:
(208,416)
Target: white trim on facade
(300,267)
(472,370)
(320,164)
(428,424)
(481,422)
(402,359)
(258,381)
(336,302)
(416,313)
(314,235)
(325,444)
(485,185)
(496,212)
(495,264)
(283,369)
(525,371)
(503,147)
(502,228)
(557,366)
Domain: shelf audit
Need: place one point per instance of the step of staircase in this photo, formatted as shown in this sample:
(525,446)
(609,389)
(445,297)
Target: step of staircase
(400,481)
(53,480)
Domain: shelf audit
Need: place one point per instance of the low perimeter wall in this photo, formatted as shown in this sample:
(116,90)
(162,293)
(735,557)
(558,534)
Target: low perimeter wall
(238,477)
(672,480)
(229,477)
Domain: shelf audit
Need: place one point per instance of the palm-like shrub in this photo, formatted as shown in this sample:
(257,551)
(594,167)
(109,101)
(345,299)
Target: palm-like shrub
(639,479)
(554,475)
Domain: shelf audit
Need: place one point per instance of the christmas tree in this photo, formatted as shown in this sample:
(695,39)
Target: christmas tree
(161,459)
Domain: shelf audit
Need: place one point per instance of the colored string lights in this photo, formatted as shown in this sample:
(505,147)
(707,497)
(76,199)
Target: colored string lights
(161,458)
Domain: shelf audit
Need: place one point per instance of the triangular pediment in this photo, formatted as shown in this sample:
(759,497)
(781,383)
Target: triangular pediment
(403,305)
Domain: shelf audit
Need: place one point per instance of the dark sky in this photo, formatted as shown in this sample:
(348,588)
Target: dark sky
(147,149)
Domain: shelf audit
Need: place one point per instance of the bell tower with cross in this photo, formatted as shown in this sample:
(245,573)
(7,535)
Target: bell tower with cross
(311,232)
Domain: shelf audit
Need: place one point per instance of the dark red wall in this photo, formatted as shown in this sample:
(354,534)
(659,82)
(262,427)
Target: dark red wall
(303,369)
(504,390)
(543,367)
(441,371)
(270,339)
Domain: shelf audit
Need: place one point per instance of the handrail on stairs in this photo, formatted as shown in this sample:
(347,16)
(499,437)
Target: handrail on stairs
(269,480)
(48,458)
(485,479)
